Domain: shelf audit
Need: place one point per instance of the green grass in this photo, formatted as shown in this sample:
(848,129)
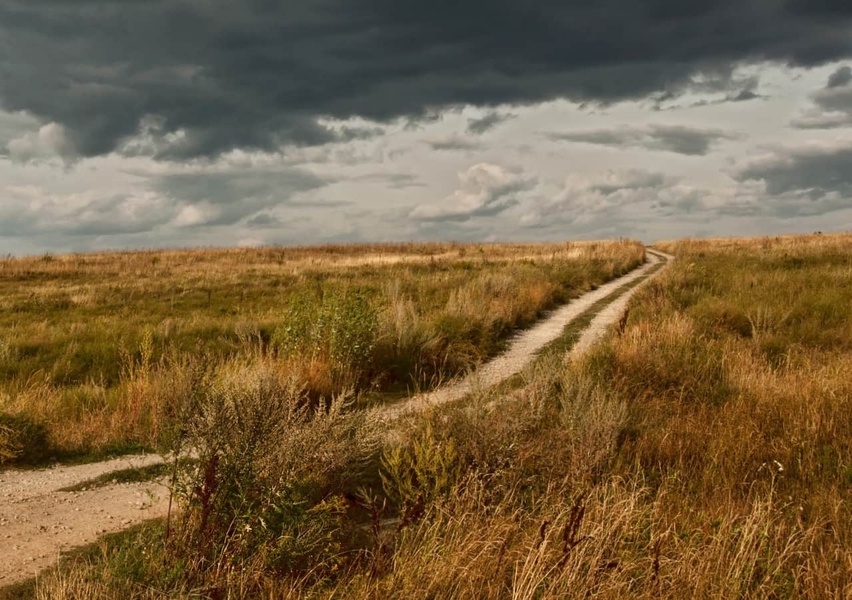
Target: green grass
(131,475)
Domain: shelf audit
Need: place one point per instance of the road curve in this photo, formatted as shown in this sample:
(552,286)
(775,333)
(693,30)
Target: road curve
(609,315)
(524,347)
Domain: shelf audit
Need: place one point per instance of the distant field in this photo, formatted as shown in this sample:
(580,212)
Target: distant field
(98,350)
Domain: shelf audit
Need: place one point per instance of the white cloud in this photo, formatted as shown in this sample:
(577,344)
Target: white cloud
(583,198)
(32,210)
(51,141)
(484,190)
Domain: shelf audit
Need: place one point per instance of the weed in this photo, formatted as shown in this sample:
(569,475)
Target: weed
(22,440)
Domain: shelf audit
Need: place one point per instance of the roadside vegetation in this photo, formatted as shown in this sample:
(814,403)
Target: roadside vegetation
(702,450)
(99,352)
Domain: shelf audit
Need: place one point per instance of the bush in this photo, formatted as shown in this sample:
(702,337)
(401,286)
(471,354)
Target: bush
(257,499)
(8,448)
(421,473)
(339,330)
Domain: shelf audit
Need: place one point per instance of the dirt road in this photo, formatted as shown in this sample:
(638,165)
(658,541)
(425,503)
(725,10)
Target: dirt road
(38,521)
(523,348)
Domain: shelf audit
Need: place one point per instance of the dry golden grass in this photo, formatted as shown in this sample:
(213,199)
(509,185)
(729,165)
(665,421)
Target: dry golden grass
(704,452)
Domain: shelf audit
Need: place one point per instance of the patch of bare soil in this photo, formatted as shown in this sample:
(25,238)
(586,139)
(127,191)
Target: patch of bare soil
(38,522)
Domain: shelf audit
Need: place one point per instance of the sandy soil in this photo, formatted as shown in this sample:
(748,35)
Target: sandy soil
(38,522)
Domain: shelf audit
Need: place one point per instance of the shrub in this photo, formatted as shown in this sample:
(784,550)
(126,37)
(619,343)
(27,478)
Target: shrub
(8,446)
(407,348)
(422,472)
(337,330)
(257,498)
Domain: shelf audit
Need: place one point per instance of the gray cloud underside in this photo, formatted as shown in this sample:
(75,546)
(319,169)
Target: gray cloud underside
(842,76)
(812,171)
(177,201)
(202,78)
(453,142)
(12,127)
(487,122)
(394,181)
(832,104)
(682,140)
(121,214)
(225,198)
(485,190)
(601,201)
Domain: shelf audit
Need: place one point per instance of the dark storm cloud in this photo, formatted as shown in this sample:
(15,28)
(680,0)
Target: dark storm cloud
(351,134)
(746,94)
(671,138)
(722,80)
(221,74)
(812,172)
(489,121)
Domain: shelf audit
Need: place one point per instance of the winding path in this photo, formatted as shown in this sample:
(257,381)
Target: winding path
(524,347)
(38,521)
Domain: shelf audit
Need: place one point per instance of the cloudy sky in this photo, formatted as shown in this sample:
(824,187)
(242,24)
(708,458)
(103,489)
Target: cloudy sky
(160,123)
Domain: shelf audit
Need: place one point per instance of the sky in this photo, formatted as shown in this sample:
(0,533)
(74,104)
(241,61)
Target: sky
(173,123)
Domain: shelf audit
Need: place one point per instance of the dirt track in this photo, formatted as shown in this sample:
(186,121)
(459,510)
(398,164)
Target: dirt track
(38,522)
(523,348)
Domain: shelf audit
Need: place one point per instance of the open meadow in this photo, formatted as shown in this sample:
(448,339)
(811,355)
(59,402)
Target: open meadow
(702,449)
(98,352)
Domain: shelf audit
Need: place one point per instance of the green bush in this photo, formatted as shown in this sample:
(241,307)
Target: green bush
(340,327)
(422,472)
(258,496)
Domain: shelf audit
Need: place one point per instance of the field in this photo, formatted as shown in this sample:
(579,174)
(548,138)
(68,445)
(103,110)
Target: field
(97,351)
(704,449)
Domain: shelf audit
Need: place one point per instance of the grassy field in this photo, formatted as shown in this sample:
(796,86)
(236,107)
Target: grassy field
(98,352)
(704,451)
